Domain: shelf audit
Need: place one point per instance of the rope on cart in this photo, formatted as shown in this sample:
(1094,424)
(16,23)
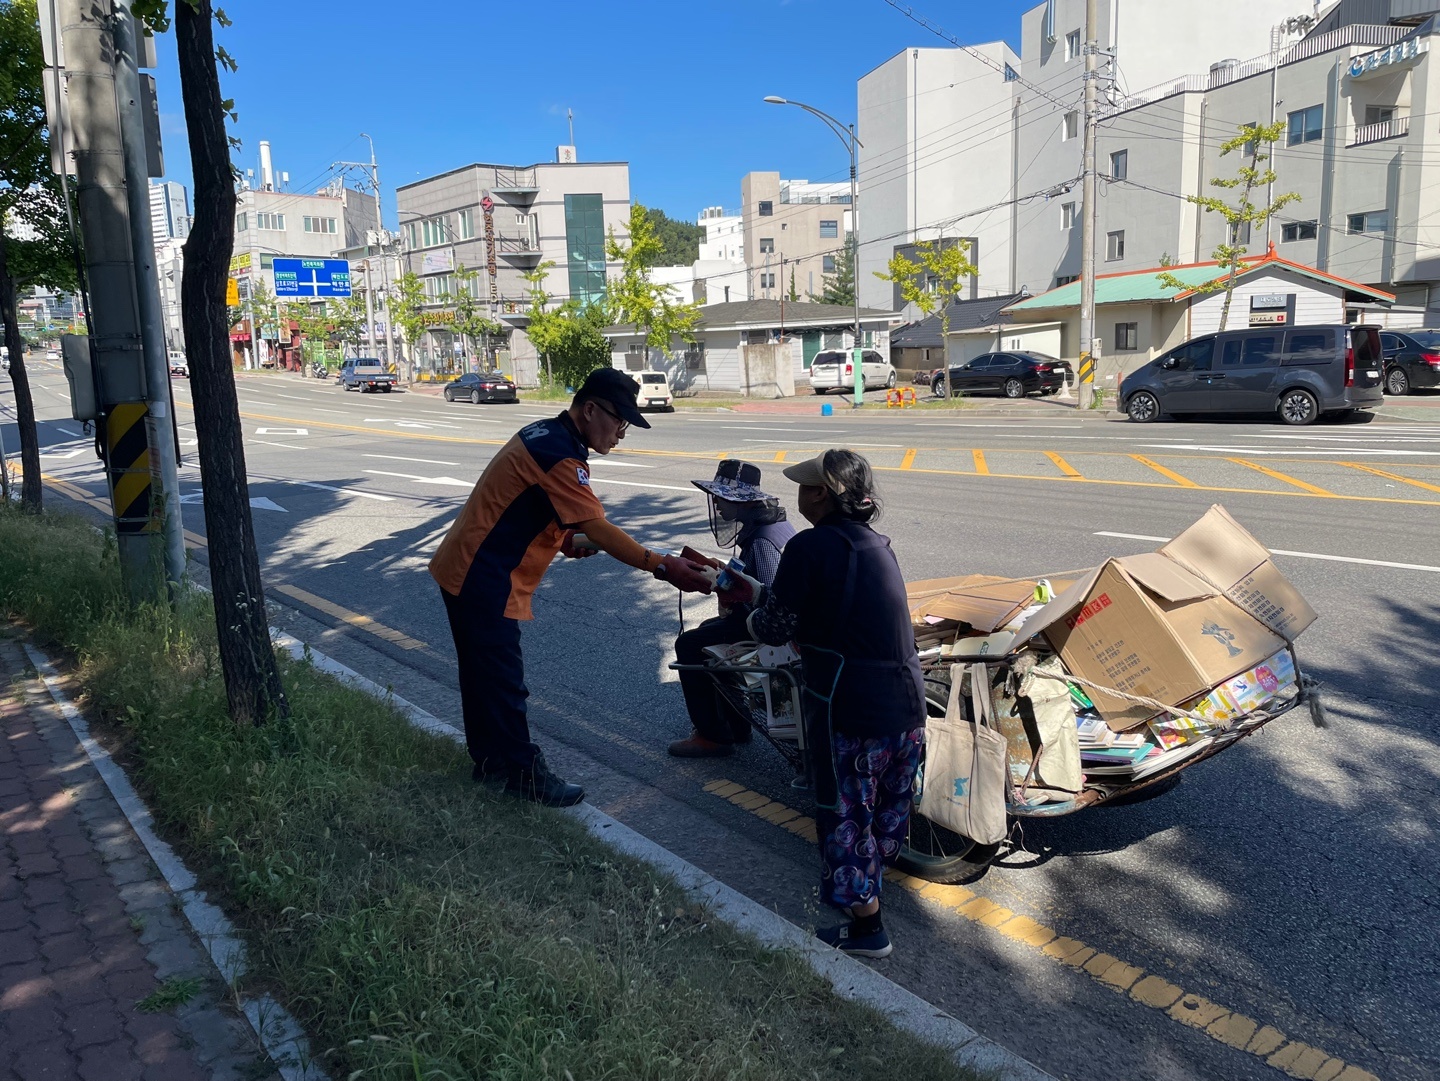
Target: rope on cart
(1139,699)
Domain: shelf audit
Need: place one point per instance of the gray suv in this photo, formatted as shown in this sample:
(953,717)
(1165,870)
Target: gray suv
(1296,373)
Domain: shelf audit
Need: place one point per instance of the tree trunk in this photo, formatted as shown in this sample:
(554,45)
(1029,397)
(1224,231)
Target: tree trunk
(247,659)
(30,489)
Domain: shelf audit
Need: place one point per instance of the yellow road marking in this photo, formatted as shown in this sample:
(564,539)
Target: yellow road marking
(909,457)
(779,456)
(80,495)
(1064,466)
(1184,482)
(1303,485)
(980,467)
(355,619)
(1393,476)
(1226,1026)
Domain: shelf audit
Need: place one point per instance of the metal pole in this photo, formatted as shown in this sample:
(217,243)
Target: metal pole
(855,274)
(369,311)
(1087,211)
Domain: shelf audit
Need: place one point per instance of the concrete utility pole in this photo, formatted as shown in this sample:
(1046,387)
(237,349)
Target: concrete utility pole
(135,462)
(1087,211)
(369,312)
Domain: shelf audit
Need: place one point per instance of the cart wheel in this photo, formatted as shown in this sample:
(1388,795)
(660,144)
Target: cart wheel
(933,852)
(1140,795)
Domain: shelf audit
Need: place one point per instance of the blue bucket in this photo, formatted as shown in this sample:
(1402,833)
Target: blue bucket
(827,410)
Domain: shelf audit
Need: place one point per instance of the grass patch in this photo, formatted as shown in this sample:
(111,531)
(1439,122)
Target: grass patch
(173,992)
(421,926)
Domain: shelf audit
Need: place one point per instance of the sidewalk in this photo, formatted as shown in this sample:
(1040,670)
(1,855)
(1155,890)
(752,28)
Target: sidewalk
(87,927)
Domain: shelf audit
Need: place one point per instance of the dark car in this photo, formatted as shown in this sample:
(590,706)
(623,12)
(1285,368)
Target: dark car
(1014,373)
(481,387)
(1412,359)
(1297,373)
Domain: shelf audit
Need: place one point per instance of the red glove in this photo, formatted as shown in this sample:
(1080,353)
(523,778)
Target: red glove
(684,575)
(740,592)
(570,551)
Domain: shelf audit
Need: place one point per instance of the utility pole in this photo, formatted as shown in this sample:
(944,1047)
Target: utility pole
(369,311)
(1087,212)
(134,460)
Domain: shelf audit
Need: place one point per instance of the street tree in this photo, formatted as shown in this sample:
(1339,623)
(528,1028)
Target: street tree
(794,293)
(1255,143)
(35,243)
(931,282)
(634,298)
(472,324)
(839,288)
(407,312)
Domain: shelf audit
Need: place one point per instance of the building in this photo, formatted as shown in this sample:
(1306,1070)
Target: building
(975,326)
(506,220)
(793,233)
(719,275)
(724,234)
(169,211)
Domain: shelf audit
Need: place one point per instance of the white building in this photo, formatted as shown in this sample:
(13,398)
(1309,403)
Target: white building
(794,233)
(169,211)
(724,234)
(719,275)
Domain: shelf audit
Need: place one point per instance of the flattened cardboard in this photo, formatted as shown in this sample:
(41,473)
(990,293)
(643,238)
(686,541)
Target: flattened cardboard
(1165,578)
(986,607)
(1222,552)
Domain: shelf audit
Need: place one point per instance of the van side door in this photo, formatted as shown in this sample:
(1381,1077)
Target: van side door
(1246,371)
(1182,377)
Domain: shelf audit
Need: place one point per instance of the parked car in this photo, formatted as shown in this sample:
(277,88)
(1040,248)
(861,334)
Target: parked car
(834,369)
(1299,374)
(52,354)
(484,387)
(1015,374)
(655,391)
(178,364)
(365,373)
(1412,359)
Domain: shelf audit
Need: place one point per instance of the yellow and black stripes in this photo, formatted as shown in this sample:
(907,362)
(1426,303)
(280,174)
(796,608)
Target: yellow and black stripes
(127,461)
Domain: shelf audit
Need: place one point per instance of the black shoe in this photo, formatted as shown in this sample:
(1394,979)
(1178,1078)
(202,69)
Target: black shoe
(538,785)
(742,733)
(845,938)
(490,771)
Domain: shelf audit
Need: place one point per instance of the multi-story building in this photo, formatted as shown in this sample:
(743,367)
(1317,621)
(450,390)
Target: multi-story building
(724,234)
(719,274)
(505,220)
(793,232)
(169,211)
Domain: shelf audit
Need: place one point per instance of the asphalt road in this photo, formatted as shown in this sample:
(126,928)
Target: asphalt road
(1289,883)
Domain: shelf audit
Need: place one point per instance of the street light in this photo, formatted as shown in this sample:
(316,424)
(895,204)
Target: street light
(846,135)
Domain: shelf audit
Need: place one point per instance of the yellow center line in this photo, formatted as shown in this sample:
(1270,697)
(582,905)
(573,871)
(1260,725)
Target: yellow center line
(1393,476)
(355,619)
(1184,482)
(1303,485)
(1224,1025)
(1060,463)
(779,456)
(909,458)
(980,466)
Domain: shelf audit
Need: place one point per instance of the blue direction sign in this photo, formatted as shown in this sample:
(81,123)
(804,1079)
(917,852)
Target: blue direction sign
(312,278)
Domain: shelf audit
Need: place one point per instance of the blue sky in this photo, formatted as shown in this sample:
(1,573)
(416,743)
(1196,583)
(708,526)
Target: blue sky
(673,87)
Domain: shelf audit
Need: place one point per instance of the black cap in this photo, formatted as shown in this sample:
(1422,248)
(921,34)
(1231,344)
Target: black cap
(614,386)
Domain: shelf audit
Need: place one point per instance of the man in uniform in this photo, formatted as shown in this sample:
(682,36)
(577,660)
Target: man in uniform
(531,500)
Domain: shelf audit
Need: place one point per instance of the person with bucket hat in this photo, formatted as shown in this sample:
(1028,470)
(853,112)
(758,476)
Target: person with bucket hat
(840,596)
(528,504)
(744,517)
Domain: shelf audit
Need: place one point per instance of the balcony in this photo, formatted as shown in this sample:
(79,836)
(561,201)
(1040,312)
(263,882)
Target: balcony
(514,310)
(516,183)
(1377,133)
(520,249)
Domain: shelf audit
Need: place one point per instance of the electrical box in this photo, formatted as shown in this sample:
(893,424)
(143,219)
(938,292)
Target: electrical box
(80,374)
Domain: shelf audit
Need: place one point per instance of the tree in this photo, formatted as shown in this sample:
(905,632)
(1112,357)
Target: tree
(471,322)
(35,244)
(839,288)
(794,294)
(406,310)
(1243,216)
(633,298)
(679,240)
(932,282)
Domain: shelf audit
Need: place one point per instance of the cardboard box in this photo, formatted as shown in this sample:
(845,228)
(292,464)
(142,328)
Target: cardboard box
(985,603)
(1220,551)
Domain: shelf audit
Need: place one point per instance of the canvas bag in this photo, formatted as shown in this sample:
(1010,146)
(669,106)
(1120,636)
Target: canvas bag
(1037,719)
(965,764)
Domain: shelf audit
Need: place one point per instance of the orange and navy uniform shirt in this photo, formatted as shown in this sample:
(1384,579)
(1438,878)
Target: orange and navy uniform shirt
(512,525)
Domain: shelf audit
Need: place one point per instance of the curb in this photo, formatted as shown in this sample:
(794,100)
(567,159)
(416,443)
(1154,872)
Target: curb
(850,978)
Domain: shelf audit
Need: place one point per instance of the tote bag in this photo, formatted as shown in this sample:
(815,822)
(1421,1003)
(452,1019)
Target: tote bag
(1037,719)
(965,764)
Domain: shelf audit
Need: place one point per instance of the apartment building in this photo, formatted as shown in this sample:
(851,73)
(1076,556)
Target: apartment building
(169,211)
(793,232)
(505,220)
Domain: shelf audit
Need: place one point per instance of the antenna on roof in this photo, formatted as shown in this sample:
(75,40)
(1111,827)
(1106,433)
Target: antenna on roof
(570,119)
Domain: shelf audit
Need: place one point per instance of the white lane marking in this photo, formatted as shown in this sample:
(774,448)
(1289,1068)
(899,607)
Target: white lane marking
(397,458)
(259,502)
(1299,555)
(57,454)
(410,422)
(448,481)
(639,484)
(282,431)
(293,397)
(820,442)
(541,416)
(619,465)
(68,431)
(268,443)
(764,428)
(345,491)
(1358,451)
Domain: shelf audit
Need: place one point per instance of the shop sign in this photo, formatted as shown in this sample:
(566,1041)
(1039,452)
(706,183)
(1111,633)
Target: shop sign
(1400,52)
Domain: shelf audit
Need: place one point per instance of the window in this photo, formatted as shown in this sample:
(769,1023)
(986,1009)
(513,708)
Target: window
(1249,148)
(585,243)
(274,222)
(1126,335)
(1011,75)
(1119,164)
(437,287)
(412,233)
(1067,215)
(827,264)
(1239,234)
(1192,356)
(1379,114)
(1115,245)
(829,229)
(242,222)
(1305,126)
(1260,350)
(1072,125)
(433,231)
(767,245)
(1072,45)
(1376,221)
(1308,347)
(766,208)
(321,225)
(1298,230)
(467,223)
(767,281)
(1065,279)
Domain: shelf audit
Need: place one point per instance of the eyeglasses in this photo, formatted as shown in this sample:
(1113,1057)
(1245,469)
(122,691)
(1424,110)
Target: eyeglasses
(624,425)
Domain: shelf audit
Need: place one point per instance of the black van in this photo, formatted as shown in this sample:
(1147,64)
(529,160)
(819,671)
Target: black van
(1297,373)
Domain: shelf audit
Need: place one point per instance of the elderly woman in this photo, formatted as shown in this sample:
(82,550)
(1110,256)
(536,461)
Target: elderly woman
(839,595)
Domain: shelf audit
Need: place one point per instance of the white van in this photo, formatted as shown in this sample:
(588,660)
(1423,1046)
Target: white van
(655,391)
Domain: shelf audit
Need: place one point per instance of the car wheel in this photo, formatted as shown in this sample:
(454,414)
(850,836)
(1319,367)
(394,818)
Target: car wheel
(890,383)
(449,395)
(937,388)
(1014,388)
(474,397)
(1143,407)
(1298,407)
(1397,382)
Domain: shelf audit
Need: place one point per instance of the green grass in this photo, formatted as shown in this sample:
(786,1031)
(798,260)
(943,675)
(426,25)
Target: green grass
(421,926)
(173,992)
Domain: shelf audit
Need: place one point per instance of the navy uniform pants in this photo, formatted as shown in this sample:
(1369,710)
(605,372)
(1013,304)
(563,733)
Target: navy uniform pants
(713,717)
(492,686)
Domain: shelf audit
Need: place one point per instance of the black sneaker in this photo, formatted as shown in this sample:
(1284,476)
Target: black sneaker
(538,785)
(844,938)
(490,771)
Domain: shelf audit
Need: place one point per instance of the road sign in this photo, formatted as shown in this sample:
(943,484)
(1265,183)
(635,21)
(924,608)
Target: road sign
(312,278)
(232,292)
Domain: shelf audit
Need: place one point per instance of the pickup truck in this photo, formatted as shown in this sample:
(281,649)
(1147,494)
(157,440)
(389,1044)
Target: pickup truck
(366,373)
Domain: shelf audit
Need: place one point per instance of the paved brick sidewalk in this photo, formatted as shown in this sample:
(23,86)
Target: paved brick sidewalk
(87,928)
